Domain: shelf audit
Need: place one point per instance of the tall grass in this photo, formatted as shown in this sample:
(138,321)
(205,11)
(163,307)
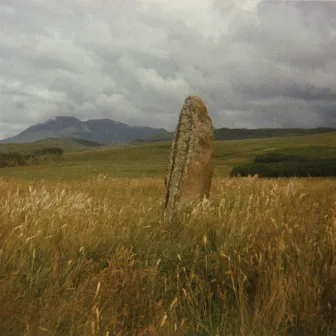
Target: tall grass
(95,258)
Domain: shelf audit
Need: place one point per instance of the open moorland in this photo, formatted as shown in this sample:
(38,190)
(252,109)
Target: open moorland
(150,160)
(84,250)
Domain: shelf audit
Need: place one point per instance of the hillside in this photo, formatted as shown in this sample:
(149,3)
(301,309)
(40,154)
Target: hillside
(68,144)
(97,130)
(244,133)
(139,160)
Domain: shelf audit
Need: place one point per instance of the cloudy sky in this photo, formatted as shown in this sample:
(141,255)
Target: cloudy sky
(254,63)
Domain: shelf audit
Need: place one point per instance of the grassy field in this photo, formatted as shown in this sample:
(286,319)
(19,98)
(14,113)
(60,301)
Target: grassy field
(84,250)
(69,145)
(150,160)
(94,258)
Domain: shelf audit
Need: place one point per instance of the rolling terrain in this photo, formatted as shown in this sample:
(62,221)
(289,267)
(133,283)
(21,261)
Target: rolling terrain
(84,249)
(244,133)
(68,144)
(150,160)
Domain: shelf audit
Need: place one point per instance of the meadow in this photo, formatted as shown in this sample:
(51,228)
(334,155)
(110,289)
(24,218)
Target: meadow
(84,250)
(150,160)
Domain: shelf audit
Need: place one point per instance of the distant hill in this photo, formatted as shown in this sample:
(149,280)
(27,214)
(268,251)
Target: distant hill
(97,130)
(245,133)
(69,145)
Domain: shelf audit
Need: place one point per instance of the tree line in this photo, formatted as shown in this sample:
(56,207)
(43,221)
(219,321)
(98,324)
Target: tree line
(12,159)
(276,164)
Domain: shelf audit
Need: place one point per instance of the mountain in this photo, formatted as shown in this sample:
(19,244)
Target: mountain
(97,130)
(245,133)
(112,132)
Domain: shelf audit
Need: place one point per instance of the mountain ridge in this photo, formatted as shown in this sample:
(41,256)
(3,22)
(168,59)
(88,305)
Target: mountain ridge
(97,130)
(109,131)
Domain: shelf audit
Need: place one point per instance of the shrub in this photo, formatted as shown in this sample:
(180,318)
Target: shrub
(282,165)
(49,150)
(12,159)
(3,164)
(276,157)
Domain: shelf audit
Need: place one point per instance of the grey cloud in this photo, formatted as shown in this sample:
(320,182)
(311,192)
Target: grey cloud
(255,63)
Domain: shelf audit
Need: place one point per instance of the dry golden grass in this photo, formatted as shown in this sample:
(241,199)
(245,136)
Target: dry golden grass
(95,258)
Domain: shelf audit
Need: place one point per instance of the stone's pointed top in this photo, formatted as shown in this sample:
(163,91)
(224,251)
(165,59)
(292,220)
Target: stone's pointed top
(198,105)
(195,98)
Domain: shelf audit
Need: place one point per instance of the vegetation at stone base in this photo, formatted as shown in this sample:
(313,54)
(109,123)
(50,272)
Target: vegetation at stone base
(151,160)
(92,257)
(314,161)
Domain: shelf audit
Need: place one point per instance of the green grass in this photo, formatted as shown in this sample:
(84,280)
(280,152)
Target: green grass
(150,160)
(69,145)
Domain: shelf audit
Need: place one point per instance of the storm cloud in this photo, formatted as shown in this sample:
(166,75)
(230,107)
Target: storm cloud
(254,63)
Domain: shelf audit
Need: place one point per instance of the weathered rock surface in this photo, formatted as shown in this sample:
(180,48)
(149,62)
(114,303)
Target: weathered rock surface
(190,168)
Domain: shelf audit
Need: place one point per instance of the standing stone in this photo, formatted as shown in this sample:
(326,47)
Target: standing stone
(190,168)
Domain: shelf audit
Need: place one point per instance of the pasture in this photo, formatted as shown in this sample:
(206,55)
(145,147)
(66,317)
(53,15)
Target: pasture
(150,160)
(84,250)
